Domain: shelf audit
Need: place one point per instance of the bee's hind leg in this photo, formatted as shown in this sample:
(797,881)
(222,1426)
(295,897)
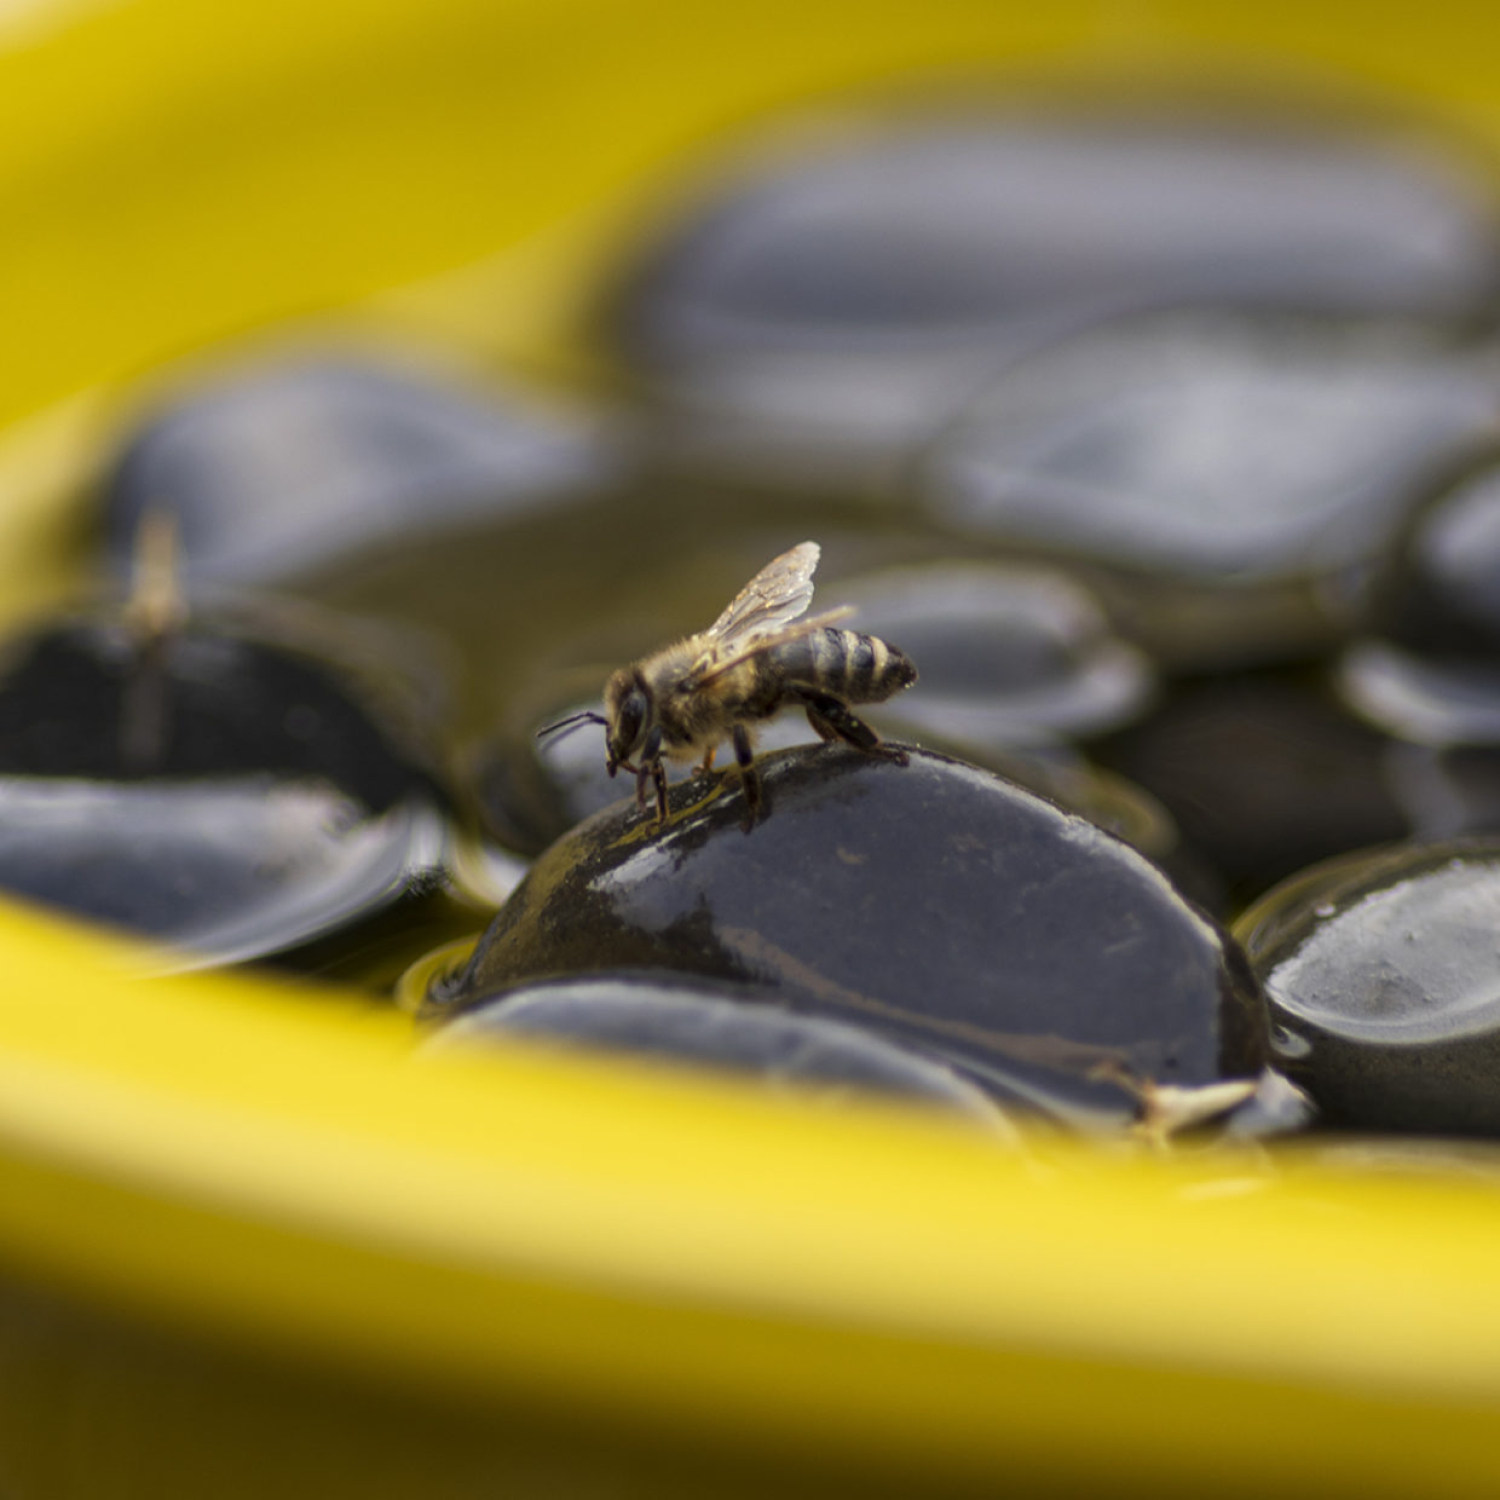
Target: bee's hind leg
(833,721)
(744,755)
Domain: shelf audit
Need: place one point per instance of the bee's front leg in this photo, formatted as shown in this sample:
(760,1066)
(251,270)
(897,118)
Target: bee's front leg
(652,771)
(652,767)
(744,754)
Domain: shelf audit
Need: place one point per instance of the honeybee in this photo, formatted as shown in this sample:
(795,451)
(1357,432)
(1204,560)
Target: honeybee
(755,659)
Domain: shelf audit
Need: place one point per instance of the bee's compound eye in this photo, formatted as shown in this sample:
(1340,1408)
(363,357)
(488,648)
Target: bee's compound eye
(629,722)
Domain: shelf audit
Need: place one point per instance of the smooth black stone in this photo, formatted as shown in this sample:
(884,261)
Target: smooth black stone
(279,470)
(230,795)
(1264,773)
(818,313)
(1381,974)
(712,1025)
(932,902)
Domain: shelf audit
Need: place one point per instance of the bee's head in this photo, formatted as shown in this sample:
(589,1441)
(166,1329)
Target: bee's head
(627,708)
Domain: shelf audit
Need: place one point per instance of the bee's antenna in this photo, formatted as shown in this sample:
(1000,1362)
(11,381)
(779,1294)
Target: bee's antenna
(588,716)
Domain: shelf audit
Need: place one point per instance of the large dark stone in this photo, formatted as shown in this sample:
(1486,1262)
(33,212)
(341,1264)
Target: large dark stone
(933,902)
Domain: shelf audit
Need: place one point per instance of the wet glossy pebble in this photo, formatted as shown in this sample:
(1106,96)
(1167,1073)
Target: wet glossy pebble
(848,288)
(1230,483)
(276,470)
(1381,972)
(1264,773)
(226,793)
(933,903)
(741,1030)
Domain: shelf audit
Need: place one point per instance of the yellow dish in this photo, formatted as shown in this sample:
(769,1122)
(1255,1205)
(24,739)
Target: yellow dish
(251,1243)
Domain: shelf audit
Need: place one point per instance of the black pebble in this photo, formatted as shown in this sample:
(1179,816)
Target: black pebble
(1380,969)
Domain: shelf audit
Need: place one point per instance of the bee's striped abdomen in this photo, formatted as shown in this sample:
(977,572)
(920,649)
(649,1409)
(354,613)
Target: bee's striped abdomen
(856,668)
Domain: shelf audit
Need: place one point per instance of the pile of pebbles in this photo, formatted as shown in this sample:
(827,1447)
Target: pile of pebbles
(1164,442)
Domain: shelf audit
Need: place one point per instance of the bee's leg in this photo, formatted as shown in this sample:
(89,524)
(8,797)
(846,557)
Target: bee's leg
(659,776)
(744,755)
(708,761)
(833,721)
(656,773)
(651,766)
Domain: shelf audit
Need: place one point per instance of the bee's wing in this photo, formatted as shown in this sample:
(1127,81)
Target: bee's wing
(780,592)
(716,663)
